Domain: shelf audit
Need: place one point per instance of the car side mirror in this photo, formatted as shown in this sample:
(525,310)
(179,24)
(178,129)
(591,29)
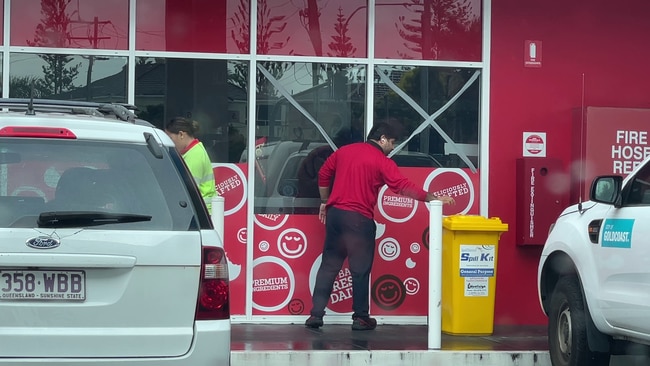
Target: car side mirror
(606,189)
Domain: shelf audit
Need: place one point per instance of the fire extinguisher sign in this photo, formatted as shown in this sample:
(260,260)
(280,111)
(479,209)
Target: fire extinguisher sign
(535,144)
(533,53)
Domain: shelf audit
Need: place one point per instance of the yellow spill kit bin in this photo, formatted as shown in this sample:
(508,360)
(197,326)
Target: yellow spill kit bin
(469,263)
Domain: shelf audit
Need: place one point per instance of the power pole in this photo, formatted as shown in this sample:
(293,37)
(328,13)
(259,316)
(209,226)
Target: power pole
(94,41)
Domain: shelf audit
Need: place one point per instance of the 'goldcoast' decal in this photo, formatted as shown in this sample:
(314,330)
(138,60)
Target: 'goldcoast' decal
(617,233)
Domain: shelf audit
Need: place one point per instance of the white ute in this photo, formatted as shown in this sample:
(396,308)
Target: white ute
(594,273)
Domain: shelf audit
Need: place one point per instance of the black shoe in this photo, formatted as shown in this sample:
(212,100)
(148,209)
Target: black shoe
(365,323)
(314,322)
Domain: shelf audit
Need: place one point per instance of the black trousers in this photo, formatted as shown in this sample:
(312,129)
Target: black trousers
(350,235)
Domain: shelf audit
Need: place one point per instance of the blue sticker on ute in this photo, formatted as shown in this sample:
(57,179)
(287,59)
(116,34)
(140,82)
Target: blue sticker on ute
(617,233)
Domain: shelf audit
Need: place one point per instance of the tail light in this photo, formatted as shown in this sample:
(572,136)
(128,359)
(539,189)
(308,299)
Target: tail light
(37,132)
(214,290)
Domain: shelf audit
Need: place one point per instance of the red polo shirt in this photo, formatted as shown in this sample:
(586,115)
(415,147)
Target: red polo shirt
(361,170)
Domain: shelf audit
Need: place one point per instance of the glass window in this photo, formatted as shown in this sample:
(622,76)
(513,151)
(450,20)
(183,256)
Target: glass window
(304,111)
(639,191)
(312,28)
(68,77)
(439,109)
(70,24)
(452,30)
(193,26)
(213,92)
(46,175)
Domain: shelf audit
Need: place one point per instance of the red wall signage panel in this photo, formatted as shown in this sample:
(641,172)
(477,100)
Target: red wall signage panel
(613,141)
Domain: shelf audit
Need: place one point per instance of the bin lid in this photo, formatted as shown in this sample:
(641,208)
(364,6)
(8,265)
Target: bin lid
(473,223)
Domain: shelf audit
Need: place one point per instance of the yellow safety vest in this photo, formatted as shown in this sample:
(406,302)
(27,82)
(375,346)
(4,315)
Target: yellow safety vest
(198,161)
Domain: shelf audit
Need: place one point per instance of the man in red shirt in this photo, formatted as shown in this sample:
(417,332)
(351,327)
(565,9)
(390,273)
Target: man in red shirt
(361,169)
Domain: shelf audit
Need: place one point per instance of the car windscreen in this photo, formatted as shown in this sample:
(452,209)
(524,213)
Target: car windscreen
(61,181)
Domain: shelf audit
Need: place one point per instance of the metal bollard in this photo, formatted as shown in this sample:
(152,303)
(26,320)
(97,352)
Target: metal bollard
(435,274)
(218,204)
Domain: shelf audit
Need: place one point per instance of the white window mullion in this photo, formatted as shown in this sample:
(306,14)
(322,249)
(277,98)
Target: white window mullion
(252,124)
(130,80)
(370,67)
(484,128)
(5,49)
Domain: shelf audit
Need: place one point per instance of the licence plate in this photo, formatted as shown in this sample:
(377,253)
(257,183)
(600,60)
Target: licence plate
(42,285)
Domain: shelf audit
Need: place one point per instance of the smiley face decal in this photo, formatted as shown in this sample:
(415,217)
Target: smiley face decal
(296,307)
(388,292)
(412,286)
(241,235)
(292,243)
(389,249)
(264,246)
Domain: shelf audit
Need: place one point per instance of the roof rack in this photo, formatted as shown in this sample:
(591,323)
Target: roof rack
(119,110)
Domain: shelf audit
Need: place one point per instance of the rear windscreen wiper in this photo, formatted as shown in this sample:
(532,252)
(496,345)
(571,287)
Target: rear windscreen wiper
(58,219)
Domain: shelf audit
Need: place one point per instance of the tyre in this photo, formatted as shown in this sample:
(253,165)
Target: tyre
(567,327)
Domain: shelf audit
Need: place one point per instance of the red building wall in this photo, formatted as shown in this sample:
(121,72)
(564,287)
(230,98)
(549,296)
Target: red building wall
(600,42)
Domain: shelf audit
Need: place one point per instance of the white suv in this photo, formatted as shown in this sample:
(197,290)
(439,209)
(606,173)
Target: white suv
(594,273)
(108,254)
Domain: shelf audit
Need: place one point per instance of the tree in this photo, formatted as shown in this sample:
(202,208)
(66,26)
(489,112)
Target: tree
(241,27)
(54,31)
(309,17)
(23,86)
(57,78)
(341,44)
(437,29)
(269,26)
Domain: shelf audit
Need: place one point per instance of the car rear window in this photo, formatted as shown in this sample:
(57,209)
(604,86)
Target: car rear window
(49,175)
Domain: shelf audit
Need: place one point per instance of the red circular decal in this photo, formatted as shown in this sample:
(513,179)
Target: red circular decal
(270,221)
(534,144)
(388,292)
(454,183)
(273,284)
(230,182)
(341,296)
(395,207)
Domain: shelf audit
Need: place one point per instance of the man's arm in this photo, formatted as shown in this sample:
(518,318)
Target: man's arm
(324,194)
(325,176)
(402,185)
(445,199)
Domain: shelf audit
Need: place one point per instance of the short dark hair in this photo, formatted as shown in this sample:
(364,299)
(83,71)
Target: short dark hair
(391,128)
(178,124)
